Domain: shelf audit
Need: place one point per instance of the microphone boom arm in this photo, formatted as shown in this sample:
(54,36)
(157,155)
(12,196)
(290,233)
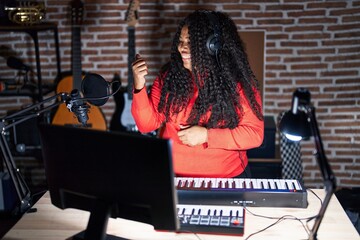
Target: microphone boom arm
(32,111)
(22,190)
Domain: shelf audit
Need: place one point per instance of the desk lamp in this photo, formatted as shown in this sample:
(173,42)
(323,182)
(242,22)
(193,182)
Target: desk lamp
(298,123)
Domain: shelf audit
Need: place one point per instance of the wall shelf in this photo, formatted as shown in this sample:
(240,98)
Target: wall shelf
(33,30)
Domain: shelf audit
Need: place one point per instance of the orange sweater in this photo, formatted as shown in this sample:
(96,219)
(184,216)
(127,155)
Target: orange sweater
(224,155)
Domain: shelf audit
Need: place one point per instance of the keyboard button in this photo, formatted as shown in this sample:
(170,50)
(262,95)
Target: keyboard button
(225,221)
(205,220)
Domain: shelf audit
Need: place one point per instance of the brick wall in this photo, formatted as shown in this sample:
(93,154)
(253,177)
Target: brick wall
(312,44)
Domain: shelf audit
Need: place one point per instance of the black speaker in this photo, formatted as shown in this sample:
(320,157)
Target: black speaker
(267,148)
(24,139)
(8,197)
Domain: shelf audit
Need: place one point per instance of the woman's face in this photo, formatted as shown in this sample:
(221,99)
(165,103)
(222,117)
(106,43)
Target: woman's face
(184,47)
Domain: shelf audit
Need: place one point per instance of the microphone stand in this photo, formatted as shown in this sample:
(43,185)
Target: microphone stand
(327,173)
(22,190)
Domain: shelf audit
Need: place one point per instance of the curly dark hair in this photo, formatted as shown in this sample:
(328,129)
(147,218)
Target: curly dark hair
(218,84)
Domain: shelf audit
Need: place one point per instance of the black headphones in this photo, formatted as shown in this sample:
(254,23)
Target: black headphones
(213,43)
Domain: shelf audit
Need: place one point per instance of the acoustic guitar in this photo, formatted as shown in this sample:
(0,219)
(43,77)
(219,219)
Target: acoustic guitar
(73,80)
(131,17)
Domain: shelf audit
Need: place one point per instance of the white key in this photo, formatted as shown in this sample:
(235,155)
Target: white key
(248,183)
(189,210)
(264,183)
(289,185)
(272,184)
(297,185)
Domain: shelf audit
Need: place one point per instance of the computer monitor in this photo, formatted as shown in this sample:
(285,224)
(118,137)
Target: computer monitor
(110,174)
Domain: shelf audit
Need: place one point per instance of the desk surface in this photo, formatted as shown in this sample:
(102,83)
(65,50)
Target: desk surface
(50,222)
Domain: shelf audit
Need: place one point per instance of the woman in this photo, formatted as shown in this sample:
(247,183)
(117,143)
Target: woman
(206,99)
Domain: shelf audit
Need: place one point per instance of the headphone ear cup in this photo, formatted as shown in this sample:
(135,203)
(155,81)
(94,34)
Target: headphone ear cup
(213,44)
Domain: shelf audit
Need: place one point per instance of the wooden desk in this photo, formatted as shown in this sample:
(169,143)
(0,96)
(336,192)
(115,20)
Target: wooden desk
(50,223)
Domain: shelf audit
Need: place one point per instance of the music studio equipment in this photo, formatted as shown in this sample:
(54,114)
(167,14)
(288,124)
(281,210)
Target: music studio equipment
(3,13)
(226,220)
(22,192)
(15,63)
(126,119)
(74,79)
(213,42)
(267,148)
(242,191)
(7,193)
(24,137)
(266,168)
(96,90)
(149,199)
(115,124)
(78,106)
(27,12)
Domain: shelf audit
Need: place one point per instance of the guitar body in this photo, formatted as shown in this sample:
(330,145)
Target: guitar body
(63,116)
(71,81)
(127,119)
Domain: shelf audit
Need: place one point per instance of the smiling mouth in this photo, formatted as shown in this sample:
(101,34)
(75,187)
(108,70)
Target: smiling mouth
(186,58)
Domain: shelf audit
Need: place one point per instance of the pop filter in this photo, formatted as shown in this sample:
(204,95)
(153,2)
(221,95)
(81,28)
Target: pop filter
(96,88)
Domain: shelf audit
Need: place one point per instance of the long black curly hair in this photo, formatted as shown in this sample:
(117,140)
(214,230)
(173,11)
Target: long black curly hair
(218,84)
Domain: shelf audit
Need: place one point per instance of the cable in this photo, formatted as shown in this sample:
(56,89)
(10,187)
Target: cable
(191,232)
(285,217)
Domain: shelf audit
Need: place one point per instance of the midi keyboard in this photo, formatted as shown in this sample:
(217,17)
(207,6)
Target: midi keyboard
(209,219)
(241,191)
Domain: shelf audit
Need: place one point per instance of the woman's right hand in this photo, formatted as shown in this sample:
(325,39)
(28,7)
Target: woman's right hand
(140,70)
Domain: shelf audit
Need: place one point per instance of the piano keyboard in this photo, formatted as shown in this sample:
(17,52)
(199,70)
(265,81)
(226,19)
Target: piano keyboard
(227,220)
(241,191)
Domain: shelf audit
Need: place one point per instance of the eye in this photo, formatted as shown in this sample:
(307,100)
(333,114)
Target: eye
(184,43)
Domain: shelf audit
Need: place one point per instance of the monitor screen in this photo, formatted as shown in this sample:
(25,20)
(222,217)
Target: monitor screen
(110,174)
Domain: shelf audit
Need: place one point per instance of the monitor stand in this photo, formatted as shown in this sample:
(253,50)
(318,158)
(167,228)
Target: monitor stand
(97,225)
(81,236)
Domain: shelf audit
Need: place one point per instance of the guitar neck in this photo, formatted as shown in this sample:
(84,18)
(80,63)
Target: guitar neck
(131,57)
(76,57)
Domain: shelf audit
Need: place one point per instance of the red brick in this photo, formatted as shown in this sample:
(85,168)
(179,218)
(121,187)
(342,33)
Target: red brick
(312,44)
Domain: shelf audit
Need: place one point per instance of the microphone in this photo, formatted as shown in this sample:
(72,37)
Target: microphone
(95,89)
(78,106)
(16,63)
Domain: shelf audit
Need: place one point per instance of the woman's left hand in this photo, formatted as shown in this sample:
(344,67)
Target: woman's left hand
(192,136)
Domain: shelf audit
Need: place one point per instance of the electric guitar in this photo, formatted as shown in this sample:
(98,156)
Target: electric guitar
(131,17)
(115,124)
(73,80)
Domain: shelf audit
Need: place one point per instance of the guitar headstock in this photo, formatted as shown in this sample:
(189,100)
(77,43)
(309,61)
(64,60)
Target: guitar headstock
(131,16)
(77,12)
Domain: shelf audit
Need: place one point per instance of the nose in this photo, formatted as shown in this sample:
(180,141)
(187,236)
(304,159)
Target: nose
(184,45)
